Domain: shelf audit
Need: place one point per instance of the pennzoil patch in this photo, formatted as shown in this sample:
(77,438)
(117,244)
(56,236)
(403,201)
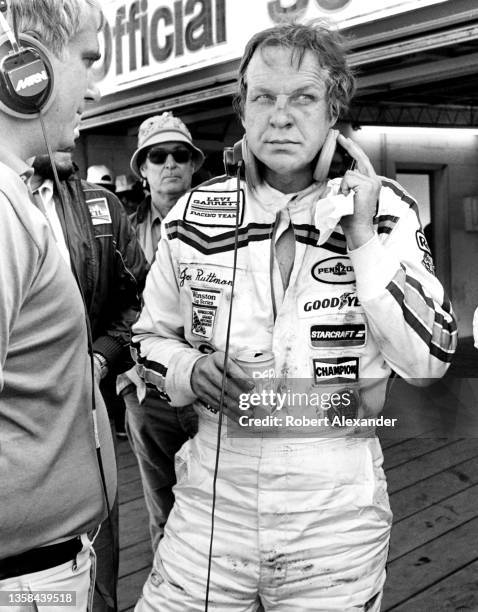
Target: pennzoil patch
(204,310)
(214,208)
(99,211)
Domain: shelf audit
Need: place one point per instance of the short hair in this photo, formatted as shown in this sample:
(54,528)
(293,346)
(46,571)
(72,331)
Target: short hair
(328,46)
(52,22)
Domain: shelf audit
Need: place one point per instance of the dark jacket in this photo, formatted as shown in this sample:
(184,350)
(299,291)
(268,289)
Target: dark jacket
(140,213)
(109,263)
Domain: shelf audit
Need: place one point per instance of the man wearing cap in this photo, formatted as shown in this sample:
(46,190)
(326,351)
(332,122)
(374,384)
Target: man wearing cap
(101,175)
(129,191)
(165,161)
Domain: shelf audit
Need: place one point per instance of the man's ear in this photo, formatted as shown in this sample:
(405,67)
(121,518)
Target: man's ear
(333,118)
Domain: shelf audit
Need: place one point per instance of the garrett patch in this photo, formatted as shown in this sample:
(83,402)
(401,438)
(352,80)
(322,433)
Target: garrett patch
(214,208)
(99,211)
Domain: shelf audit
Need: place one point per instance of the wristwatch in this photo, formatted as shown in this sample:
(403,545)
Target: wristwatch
(101,363)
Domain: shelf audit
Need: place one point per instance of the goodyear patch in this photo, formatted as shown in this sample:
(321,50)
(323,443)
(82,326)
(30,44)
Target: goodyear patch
(321,304)
(214,208)
(204,310)
(99,211)
(336,369)
(338,336)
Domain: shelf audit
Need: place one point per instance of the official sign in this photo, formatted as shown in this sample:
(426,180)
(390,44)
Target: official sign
(146,40)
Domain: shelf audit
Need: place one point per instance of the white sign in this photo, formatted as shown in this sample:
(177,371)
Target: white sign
(146,40)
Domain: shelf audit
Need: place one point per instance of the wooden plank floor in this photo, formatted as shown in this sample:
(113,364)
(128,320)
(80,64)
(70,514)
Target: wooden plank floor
(135,543)
(433,559)
(433,487)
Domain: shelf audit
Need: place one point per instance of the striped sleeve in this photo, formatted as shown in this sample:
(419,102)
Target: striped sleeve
(433,323)
(163,358)
(407,310)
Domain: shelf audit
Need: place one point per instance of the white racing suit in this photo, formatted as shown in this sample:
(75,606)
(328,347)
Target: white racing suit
(301,521)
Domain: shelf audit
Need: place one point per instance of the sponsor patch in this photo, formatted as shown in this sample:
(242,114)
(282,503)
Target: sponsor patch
(334,271)
(216,277)
(99,211)
(422,242)
(204,310)
(333,303)
(336,369)
(214,208)
(427,262)
(338,336)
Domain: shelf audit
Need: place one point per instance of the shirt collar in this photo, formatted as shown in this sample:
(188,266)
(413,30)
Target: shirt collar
(15,163)
(46,191)
(155,215)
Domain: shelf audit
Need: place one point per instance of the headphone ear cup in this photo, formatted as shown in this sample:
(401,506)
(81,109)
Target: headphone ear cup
(26,78)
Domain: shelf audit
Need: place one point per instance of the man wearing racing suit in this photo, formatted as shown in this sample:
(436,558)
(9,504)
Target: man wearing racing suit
(302,522)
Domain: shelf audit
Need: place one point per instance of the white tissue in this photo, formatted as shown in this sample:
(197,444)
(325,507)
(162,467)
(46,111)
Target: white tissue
(329,211)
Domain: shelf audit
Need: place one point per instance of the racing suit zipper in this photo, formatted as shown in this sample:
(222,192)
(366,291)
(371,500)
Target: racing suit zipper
(271,265)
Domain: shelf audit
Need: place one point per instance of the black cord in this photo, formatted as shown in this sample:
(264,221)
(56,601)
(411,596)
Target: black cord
(223,385)
(92,363)
(15,25)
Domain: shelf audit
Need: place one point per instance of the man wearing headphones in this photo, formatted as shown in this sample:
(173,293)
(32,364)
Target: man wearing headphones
(57,461)
(331,284)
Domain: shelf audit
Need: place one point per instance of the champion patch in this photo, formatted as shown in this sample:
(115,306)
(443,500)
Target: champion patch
(204,309)
(336,370)
(214,208)
(99,211)
(338,336)
(334,271)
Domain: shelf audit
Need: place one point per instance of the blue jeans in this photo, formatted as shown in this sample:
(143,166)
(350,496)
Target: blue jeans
(156,432)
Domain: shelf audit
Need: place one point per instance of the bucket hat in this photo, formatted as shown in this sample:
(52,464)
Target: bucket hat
(164,128)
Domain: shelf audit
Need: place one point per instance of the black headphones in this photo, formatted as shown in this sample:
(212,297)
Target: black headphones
(26,73)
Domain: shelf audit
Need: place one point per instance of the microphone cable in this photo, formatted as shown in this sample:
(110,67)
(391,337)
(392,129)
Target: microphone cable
(223,384)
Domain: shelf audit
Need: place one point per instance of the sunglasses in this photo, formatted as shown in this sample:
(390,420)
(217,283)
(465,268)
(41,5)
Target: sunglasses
(159,156)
